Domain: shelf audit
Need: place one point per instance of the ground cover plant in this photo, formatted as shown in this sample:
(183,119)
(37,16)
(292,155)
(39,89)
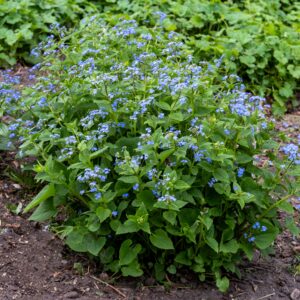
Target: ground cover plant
(154,160)
(260,39)
(24,23)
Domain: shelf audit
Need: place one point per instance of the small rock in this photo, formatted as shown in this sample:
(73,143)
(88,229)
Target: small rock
(295,295)
(159,289)
(71,295)
(150,281)
(16,186)
(183,280)
(104,276)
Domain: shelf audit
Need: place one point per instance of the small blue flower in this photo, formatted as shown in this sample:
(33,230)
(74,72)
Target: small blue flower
(256,225)
(212,181)
(98,196)
(136,187)
(251,239)
(240,172)
(227,131)
(263,228)
(114,213)
(291,151)
(126,195)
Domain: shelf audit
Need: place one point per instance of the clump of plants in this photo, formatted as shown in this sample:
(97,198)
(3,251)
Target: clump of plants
(24,23)
(159,163)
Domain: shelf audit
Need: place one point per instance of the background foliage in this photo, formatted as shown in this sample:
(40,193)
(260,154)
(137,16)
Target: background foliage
(24,23)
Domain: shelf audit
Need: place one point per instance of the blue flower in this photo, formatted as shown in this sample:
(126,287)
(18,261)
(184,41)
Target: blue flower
(240,172)
(136,187)
(263,228)
(227,131)
(251,239)
(212,181)
(256,225)
(114,213)
(291,151)
(98,196)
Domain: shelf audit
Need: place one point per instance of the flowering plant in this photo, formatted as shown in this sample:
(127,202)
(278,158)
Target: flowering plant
(155,158)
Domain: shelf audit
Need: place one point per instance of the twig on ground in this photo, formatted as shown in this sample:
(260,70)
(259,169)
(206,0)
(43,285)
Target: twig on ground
(266,296)
(109,285)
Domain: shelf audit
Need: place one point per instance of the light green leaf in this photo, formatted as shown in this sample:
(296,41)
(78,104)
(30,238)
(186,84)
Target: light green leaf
(129,179)
(229,247)
(93,244)
(212,243)
(47,192)
(103,213)
(127,253)
(161,240)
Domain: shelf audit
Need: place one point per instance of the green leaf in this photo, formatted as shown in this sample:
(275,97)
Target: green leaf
(98,153)
(197,21)
(230,247)
(163,105)
(222,283)
(161,240)
(165,154)
(45,211)
(172,269)
(280,56)
(182,258)
(170,216)
(103,213)
(264,240)
(127,227)
(47,192)
(132,269)
(128,254)
(177,116)
(221,175)
(129,179)
(286,206)
(94,244)
(75,240)
(212,243)
(286,91)
(292,226)
(182,185)
(243,158)
(248,60)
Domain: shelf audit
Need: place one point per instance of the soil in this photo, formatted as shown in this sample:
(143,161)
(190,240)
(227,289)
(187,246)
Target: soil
(34,263)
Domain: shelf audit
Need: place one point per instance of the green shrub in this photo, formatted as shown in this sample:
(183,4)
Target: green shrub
(24,23)
(157,162)
(260,39)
